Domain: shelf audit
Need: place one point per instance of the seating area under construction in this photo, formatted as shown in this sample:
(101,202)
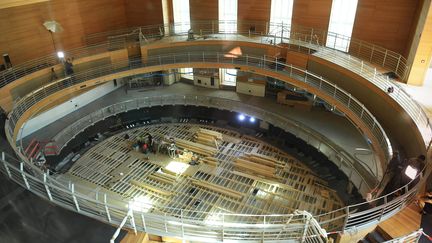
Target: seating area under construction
(205,171)
(229,121)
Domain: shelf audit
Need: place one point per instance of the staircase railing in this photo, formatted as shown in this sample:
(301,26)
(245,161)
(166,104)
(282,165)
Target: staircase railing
(414,237)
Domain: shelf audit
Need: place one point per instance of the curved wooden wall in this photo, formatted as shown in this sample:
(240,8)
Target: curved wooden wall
(390,24)
(24,38)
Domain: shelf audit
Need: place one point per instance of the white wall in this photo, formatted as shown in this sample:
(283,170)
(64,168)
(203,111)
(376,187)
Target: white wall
(205,82)
(171,78)
(251,89)
(64,109)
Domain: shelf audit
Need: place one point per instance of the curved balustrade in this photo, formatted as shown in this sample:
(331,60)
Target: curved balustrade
(265,63)
(95,204)
(204,226)
(307,38)
(364,180)
(414,237)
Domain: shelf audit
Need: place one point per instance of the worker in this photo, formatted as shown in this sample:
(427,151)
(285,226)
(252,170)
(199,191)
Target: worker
(425,202)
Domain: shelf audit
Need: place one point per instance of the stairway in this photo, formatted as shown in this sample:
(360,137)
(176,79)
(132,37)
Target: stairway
(374,237)
(32,149)
(403,223)
(142,237)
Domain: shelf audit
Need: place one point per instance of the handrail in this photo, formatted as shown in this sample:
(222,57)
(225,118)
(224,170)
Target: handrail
(106,41)
(348,214)
(352,219)
(308,38)
(97,205)
(413,237)
(343,161)
(263,62)
(180,222)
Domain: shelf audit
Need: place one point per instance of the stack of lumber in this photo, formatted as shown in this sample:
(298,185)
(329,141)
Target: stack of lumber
(212,161)
(256,165)
(264,160)
(208,137)
(163,178)
(196,147)
(216,188)
(148,187)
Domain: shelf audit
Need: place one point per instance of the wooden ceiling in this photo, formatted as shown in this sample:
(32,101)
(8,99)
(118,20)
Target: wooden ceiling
(16,3)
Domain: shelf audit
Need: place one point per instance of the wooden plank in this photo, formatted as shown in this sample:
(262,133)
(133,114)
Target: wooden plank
(254,171)
(261,160)
(218,189)
(210,161)
(196,147)
(254,166)
(151,188)
(271,181)
(162,178)
(214,134)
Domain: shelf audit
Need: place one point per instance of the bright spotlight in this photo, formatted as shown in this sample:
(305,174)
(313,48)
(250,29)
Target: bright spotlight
(241,117)
(60,54)
(252,119)
(177,167)
(141,204)
(411,172)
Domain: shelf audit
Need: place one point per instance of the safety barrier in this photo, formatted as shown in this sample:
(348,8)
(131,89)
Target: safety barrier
(261,62)
(363,179)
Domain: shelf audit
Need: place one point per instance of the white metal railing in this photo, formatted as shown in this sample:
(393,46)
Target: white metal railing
(347,218)
(362,178)
(188,59)
(300,38)
(299,226)
(117,39)
(207,226)
(354,216)
(414,237)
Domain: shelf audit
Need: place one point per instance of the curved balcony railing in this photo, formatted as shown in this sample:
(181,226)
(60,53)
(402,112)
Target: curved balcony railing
(351,217)
(264,62)
(413,237)
(206,226)
(357,59)
(309,38)
(363,179)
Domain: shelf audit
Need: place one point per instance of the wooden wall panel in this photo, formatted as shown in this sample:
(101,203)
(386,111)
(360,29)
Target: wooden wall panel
(312,13)
(23,36)
(253,10)
(387,23)
(422,54)
(143,12)
(203,10)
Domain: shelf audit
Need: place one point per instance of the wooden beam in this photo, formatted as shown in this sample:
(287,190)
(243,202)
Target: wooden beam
(217,188)
(151,188)
(17,3)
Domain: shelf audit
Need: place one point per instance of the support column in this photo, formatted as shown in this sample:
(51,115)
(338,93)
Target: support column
(420,51)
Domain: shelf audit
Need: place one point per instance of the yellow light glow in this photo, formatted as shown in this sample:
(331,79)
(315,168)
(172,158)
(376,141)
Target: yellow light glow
(235,52)
(177,167)
(141,203)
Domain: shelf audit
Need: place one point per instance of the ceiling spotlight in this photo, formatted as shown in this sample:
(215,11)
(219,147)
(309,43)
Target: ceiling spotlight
(411,172)
(241,117)
(60,54)
(252,119)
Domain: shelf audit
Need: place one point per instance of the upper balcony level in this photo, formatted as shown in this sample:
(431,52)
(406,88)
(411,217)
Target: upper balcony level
(260,51)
